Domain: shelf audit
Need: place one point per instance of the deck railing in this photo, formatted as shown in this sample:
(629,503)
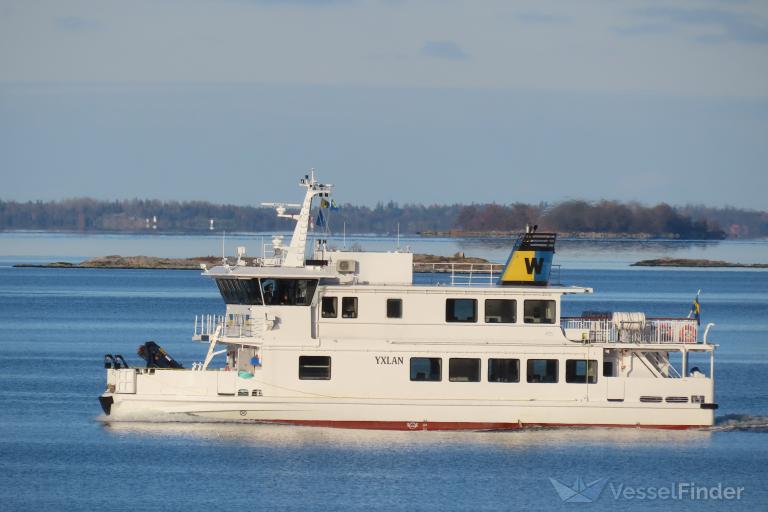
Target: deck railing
(232,326)
(648,330)
(470,274)
(462,274)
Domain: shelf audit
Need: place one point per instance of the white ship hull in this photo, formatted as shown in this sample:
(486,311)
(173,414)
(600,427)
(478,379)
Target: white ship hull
(416,415)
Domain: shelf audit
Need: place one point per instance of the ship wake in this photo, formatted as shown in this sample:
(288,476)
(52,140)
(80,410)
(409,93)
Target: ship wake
(741,423)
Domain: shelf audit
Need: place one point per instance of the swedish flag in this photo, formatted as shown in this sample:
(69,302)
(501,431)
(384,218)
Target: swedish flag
(696,309)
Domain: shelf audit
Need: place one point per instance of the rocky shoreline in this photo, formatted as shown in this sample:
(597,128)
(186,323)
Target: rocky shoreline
(695,263)
(152,262)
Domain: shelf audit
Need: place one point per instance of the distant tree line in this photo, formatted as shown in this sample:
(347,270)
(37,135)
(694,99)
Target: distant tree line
(572,217)
(610,217)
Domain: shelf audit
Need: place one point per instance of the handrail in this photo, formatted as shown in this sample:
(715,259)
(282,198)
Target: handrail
(651,330)
(231,326)
(464,274)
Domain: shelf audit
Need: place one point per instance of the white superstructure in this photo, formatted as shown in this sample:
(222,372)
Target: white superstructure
(346,339)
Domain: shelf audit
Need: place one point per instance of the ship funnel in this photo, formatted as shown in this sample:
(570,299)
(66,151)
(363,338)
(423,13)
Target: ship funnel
(530,261)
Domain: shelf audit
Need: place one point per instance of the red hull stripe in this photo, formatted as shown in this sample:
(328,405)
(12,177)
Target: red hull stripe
(455,425)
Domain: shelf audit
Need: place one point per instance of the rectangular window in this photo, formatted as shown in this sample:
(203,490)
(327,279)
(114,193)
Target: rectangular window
(462,369)
(503,370)
(288,292)
(542,371)
(314,367)
(607,368)
(582,371)
(240,291)
(539,311)
(349,307)
(394,308)
(330,307)
(460,310)
(500,311)
(426,369)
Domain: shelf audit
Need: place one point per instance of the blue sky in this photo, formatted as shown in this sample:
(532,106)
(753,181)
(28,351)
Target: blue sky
(412,101)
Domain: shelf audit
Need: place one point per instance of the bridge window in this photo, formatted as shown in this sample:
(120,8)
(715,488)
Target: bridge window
(462,369)
(288,292)
(608,368)
(349,307)
(426,369)
(314,367)
(330,307)
(542,371)
(240,291)
(503,370)
(503,311)
(582,371)
(460,310)
(394,308)
(539,311)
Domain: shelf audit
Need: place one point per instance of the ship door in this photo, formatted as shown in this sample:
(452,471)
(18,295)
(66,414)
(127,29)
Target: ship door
(612,375)
(225,382)
(614,389)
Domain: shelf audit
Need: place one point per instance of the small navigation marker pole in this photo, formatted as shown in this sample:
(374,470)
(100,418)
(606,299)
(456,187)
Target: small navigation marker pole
(223,255)
(211,226)
(154,222)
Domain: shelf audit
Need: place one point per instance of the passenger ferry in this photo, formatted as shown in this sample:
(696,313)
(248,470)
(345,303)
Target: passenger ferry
(351,339)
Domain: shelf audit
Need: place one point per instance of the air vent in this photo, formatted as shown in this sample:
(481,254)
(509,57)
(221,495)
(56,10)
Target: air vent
(345,266)
(697,399)
(651,399)
(677,399)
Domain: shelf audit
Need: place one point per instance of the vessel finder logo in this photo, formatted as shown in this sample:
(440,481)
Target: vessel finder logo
(579,492)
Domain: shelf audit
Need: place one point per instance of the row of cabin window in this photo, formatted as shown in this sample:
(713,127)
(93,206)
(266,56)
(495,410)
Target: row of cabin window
(464,369)
(456,310)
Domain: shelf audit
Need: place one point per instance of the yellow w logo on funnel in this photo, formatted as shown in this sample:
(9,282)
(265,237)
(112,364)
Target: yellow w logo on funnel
(531,260)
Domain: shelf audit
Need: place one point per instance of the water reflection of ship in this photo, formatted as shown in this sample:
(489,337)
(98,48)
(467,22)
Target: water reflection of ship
(278,436)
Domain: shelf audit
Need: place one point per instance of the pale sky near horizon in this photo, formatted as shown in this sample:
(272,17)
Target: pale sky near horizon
(413,101)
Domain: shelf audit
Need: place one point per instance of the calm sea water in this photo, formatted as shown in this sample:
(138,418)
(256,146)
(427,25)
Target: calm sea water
(56,455)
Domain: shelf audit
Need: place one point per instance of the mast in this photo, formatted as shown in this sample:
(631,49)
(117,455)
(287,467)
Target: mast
(295,253)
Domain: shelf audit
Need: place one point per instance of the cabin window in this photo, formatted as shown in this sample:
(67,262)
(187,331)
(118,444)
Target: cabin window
(583,371)
(503,370)
(349,307)
(542,371)
(330,307)
(314,367)
(394,308)
(426,369)
(288,292)
(461,369)
(539,311)
(240,291)
(607,368)
(460,310)
(500,311)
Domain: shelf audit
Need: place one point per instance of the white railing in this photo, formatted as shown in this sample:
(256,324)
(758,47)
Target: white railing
(463,274)
(232,326)
(649,330)
(472,274)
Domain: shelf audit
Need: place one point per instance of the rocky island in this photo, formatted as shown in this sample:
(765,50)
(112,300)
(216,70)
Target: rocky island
(422,262)
(700,263)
